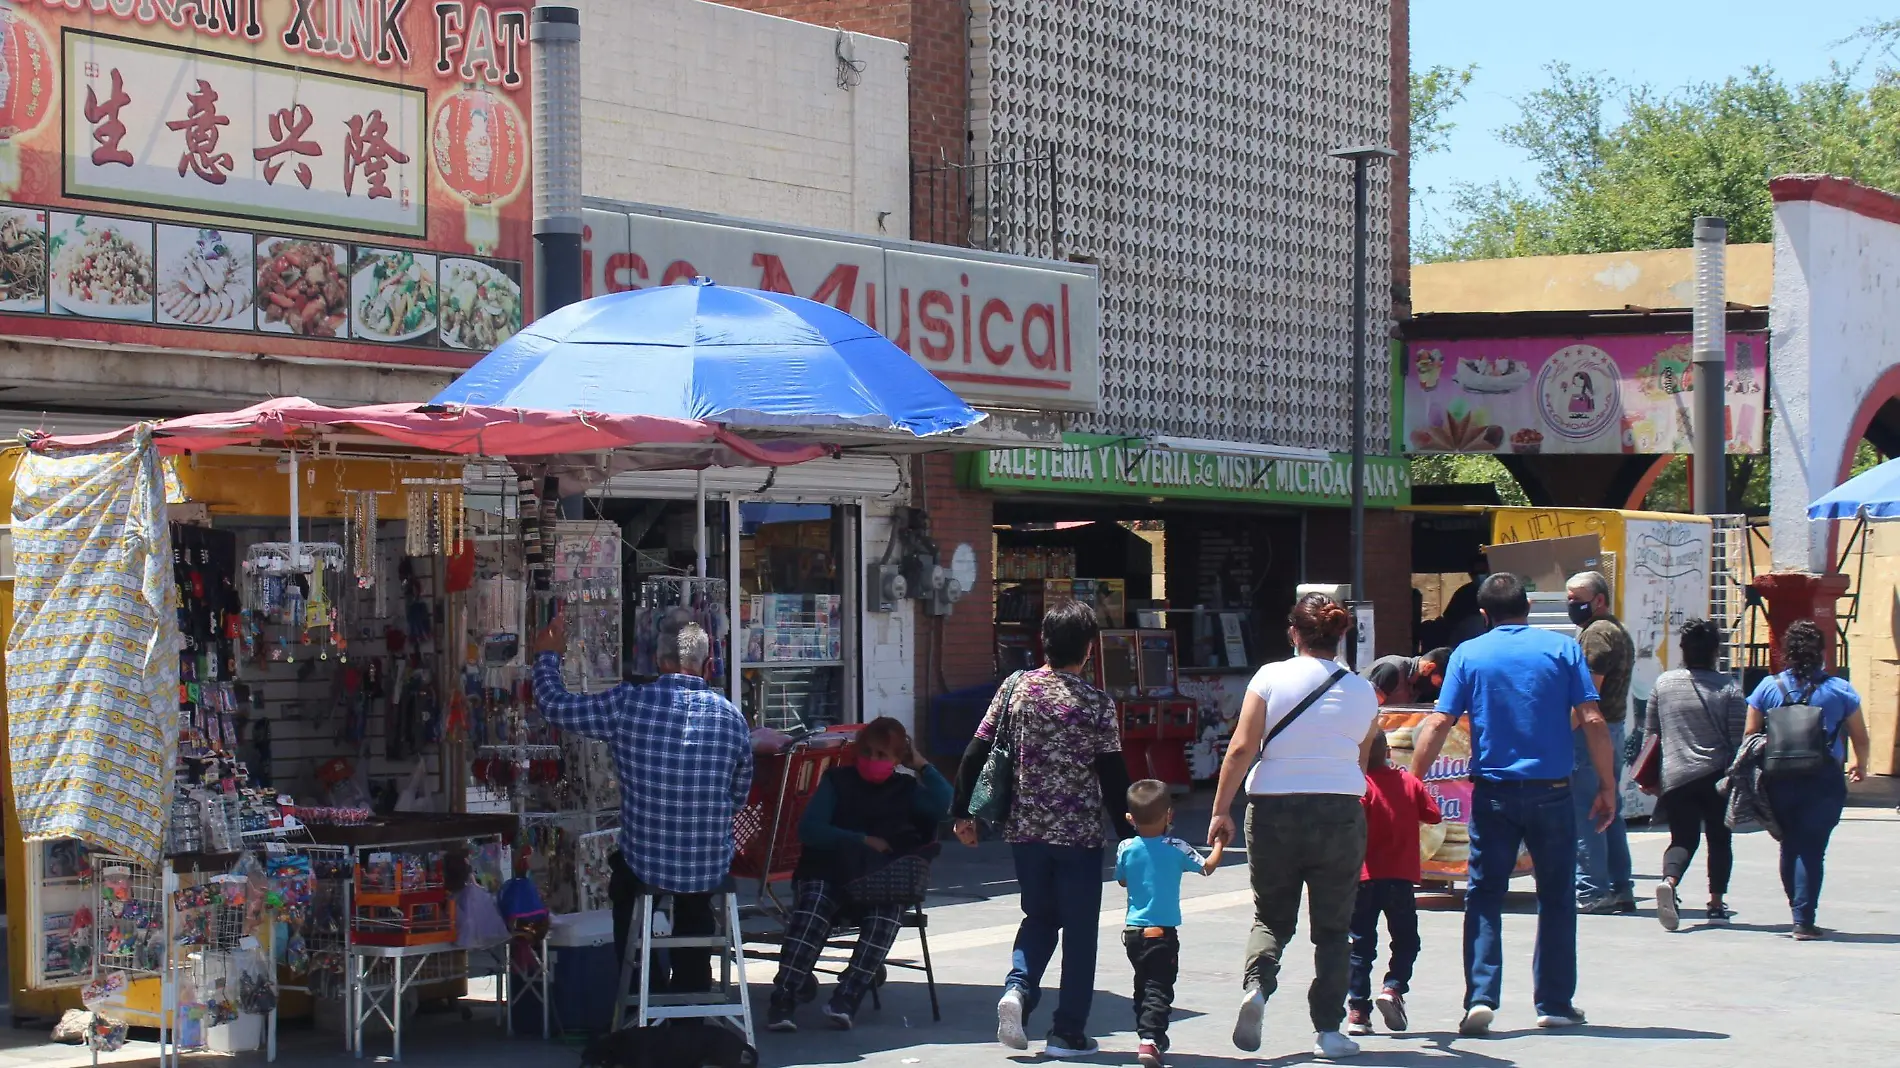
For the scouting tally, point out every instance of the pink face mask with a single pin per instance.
(876, 771)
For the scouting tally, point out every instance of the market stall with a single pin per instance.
(313, 625)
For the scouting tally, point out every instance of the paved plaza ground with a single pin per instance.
(1737, 995)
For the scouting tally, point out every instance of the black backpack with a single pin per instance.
(1799, 742)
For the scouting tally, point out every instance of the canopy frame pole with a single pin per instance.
(296, 539)
(699, 528)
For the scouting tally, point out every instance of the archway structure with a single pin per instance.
(1834, 365)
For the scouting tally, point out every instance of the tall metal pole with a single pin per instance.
(1710, 344)
(1359, 237)
(554, 34)
(1361, 158)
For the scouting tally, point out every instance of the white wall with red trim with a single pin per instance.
(1834, 359)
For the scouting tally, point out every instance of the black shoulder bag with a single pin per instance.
(1306, 703)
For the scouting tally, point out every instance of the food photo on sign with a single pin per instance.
(171, 178)
(1609, 394)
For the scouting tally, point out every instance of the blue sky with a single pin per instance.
(1665, 43)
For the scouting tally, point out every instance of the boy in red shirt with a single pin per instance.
(1396, 803)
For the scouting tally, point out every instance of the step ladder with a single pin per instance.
(727, 1000)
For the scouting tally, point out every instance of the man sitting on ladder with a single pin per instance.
(683, 755)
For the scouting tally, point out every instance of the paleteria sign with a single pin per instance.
(1095, 463)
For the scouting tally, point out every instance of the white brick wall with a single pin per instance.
(696, 105)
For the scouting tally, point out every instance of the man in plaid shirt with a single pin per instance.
(683, 755)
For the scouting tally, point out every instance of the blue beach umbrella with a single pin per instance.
(1874, 494)
(741, 357)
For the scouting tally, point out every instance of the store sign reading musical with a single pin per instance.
(335, 179)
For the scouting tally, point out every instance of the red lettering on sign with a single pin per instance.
(622, 269)
(679, 271)
(107, 130)
(935, 324)
(1043, 359)
(902, 340)
(1065, 328)
(994, 308)
(870, 305)
(772, 276)
(367, 149)
(840, 288)
(965, 279)
(288, 126)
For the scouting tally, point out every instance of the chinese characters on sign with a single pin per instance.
(310, 179)
(189, 130)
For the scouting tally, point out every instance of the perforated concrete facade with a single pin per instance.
(1193, 137)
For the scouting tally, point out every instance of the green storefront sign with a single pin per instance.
(1129, 467)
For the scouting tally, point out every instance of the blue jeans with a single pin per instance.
(1061, 890)
(1808, 807)
(1540, 817)
(1603, 857)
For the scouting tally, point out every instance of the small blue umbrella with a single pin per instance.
(742, 357)
(1874, 493)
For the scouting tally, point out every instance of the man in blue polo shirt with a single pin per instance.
(1521, 686)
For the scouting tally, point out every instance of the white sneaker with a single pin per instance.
(1556, 1021)
(1009, 1020)
(1250, 1020)
(1668, 910)
(1477, 1021)
(1333, 1046)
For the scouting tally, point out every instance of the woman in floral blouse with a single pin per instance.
(1068, 760)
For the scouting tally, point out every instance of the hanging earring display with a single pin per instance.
(436, 522)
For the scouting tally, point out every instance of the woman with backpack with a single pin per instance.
(1697, 716)
(1804, 711)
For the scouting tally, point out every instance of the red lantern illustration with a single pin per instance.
(29, 75)
(481, 145)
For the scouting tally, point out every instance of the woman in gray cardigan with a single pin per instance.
(1699, 715)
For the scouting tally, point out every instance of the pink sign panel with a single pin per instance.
(1628, 394)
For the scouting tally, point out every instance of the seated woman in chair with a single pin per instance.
(863, 817)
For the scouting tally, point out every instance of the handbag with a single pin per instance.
(903, 881)
(996, 784)
(1646, 771)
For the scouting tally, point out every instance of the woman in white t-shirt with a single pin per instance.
(1305, 826)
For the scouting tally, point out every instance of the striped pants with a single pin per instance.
(813, 918)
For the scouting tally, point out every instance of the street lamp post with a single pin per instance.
(1361, 157)
(555, 37)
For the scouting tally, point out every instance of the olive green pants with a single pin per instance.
(1315, 842)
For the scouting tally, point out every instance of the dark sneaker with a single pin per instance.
(780, 1020)
(1063, 1047)
(1625, 904)
(1359, 1020)
(1392, 1007)
(1557, 1021)
(1718, 912)
(1807, 932)
(1602, 906)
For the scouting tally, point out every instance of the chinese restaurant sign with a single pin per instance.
(1095, 463)
(328, 179)
(1630, 394)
